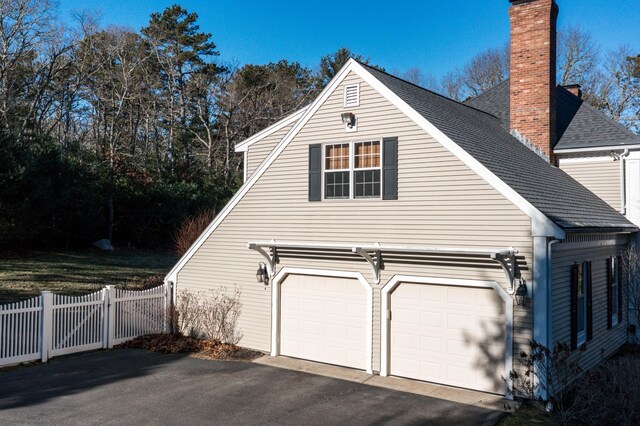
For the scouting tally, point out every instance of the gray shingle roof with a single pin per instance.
(578, 124)
(558, 196)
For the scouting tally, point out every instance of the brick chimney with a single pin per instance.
(533, 73)
(576, 89)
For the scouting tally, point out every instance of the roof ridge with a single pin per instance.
(610, 121)
(427, 90)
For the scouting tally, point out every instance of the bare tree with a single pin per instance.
(452, 85)
(486, 70)
(418, 77)
(617, 88)
(31, 50)
(577, 57)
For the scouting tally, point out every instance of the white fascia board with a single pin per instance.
(306, 115)
(245, 144)
(595, 149)
(540, 224)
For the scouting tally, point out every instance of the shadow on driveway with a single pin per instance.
(137, 387)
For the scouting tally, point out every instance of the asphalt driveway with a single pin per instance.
(135, 387)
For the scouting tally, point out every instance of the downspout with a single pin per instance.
(549, 342)
(623, 191)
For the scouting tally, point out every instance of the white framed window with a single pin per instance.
(615, 288)
(352, 95)
(582, 303)
(352, 170)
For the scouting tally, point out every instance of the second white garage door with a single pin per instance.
(449, 335)
(324, 319)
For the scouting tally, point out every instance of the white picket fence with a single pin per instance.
(52, 324)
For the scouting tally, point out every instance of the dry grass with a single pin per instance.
(77, 273)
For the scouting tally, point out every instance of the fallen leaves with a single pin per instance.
(174, 344)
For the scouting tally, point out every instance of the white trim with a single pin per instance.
(540, 224)
(308, 113)
(275, 306)
(357, 102)
(598, 159)
(596, 149)
(245, 165)
(387, 247)
(385, 326)
(245, 144)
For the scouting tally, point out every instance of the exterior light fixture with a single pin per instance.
(522, 294)
(261, 274)
(349, 119)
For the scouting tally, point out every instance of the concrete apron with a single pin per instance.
(462, 396)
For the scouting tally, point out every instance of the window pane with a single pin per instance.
(367, 155)
(336, 157)
(580, 278)
(614, 287)
(336, 185)
(366, 183)
(581, 312)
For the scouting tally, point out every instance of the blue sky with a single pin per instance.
(436, 36)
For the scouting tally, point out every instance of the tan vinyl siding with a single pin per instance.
(605, 342)
(602, 177)
(441, 202)
(261, 149)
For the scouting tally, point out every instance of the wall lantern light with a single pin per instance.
(262, 275)
(522, 294)
(349, 119)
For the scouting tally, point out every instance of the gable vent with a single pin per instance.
(352, 95)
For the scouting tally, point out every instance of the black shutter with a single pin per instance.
(315, 172)
(609, 293)
(390, 168)
(620, 287)
(574, 306)
(589, 303)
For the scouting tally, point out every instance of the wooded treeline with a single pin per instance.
(122, 134)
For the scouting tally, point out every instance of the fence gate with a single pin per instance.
(78, 323)
(52, 324)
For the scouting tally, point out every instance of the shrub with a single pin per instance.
(211, 314)
(610, 394)
(552, 370)
(191, 229)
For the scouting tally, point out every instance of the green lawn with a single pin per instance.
(77, 273)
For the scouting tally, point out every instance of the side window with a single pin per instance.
(614, 291)
(352, 170)
(581, 304)
(615, 288)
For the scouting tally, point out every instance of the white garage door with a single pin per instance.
(449, 335)
(324, 319)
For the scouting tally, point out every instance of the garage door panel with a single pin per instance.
(333, 320)
(446, 334)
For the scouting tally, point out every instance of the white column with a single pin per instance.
(541, 311)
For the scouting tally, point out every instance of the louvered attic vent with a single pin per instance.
(352, 95)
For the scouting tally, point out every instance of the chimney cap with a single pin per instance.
(572, 86)
(517, 2)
